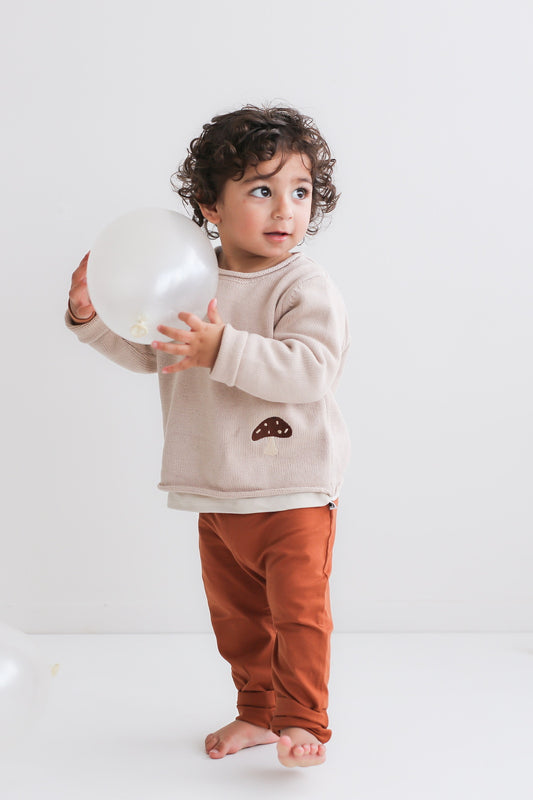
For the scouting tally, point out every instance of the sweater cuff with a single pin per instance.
(77, 320)
(229, 356)
(89, 331)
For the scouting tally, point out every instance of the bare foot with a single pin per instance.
(299, 748)
(236, 736)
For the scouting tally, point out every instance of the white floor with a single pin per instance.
(414, 716)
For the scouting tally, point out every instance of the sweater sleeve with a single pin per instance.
(302, 361)
(135, 357)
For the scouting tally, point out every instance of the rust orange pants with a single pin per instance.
(266, 578)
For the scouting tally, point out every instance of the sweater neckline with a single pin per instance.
(230, 273)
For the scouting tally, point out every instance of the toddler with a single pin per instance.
(254, 440)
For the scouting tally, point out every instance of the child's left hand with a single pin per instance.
(199, 346)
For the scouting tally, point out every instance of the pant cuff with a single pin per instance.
(291, 714)
(257, 708)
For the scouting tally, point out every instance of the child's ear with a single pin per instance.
(210, 213)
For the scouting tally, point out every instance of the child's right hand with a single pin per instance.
(78, 298)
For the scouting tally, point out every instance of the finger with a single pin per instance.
(176, 334)
(79, 275)
(82, 266)
(81, 311)
(79, 284)
(81, 270)
(79, 300)
(171, 347)
(87, 307)
(79, 293)
(194, 322)
(212, 313)
(185, 363)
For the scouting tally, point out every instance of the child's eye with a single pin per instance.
(301, 193)
(261, 191)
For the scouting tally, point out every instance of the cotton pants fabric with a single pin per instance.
(266, 578)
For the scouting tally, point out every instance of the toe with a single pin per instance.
(214, 747)
(285, 744)
(306, 754)
(217, 749)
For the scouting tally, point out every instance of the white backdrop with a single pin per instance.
(427, 108)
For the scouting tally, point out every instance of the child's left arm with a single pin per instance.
(303, 359)
(300, 364)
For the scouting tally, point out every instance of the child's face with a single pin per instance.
(260, 219)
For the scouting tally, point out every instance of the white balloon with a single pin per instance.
(146, 267)
(24, 679)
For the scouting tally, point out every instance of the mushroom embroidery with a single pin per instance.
(271, 429)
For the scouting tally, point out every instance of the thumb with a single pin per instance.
(212, 313)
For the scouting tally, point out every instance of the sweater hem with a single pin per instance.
(174, 489)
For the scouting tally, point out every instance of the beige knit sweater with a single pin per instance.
(263, 422)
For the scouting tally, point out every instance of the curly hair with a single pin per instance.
(232, 142)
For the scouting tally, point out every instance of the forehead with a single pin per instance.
(287, 165)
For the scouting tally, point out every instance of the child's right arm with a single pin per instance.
(89, 328)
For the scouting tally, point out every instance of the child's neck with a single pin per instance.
(249, 262)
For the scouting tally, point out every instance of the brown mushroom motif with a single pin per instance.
(271, 429)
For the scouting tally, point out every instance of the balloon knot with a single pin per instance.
(139, 328)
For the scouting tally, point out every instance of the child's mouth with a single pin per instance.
(277, 236)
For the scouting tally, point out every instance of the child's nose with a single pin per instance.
(282, 208)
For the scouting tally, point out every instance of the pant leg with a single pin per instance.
(298, 566)
(241, 619)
